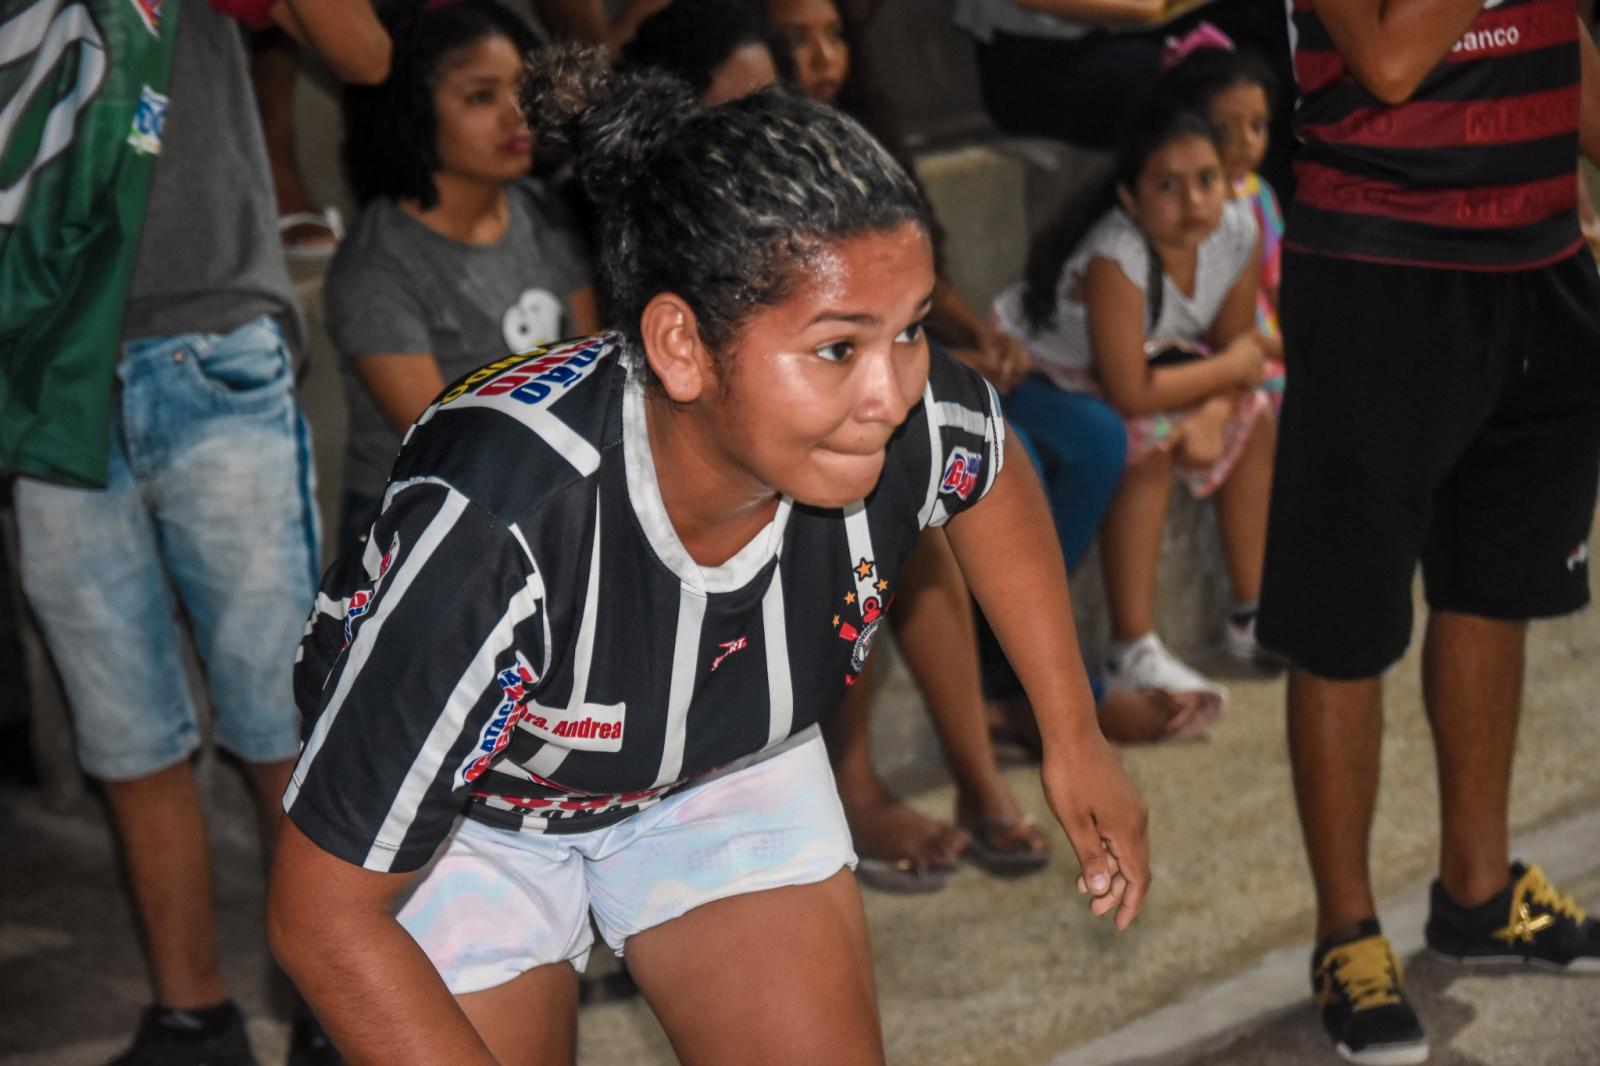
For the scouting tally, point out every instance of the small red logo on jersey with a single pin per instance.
(728, 648)
(961, 472)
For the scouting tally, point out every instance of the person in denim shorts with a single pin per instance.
(207, 510)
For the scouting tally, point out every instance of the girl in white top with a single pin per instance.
(1152, 304)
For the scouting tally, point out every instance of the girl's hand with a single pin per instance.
(1106, 822)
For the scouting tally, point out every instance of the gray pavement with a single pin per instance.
(985, 972)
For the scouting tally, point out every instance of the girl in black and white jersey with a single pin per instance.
(595, 617)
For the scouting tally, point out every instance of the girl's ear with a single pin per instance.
(1129, 204)
(673, 348)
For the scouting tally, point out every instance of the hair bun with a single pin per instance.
(613, 121)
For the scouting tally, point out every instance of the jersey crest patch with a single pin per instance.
(961, 472)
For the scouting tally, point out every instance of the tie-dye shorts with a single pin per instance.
(495, 903)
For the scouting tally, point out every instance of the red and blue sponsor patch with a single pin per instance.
(533, 377)
(961, 472)
(516, 687)
(362, 600)
(149, 12)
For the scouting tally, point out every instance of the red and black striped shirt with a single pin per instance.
(1476, 171)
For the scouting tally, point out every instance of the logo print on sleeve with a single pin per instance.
(530, 378)
(516, 685)
(361, 600)
(961, 472)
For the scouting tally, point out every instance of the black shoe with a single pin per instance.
(1356, 981)
(177, 1038)
(1527, 923)
(309, 1045)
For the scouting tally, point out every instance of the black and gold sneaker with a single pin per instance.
(1527, 923)
(1357, 983)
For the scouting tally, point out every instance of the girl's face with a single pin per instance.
(1240, 114)
(748, 69)
(1180, 194)
(481, 131)
(815, 386)
(815, 36)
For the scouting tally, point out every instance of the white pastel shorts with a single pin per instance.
(495, 903)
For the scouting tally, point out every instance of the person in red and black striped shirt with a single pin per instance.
(1441, 317)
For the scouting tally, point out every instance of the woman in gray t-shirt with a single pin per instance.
(458, 258)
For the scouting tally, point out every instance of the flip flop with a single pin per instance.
(328, 219)
(903, 877)
(996, 859)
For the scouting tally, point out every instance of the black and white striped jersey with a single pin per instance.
(525, 640)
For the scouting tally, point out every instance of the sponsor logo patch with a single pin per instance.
(148, 119)
(149, 12)
(516, 684)
(361, 600)
(531, 378)
(961, 472)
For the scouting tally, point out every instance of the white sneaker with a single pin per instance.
(1146, 663)
(1239, 641)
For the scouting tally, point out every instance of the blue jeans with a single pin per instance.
(1078, 446)
(209, 496)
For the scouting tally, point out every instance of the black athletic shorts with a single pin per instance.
(1447, 417)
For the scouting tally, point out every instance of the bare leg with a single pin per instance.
(881, 825)
(933, 622)
(163, 836)
(1201, 442)
(268, 781)
(777, 977)
(1472, 685)
(1130, 545)
(1242, 510)
(531, 1020)
(1335, 738)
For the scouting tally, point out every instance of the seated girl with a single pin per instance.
(1151, 303)
(458, 257)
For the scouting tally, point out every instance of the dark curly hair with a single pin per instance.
(390, 144)
(718, 205)
(692, 38)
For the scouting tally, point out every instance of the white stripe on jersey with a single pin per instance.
(549, 758)
(439, 527)
(961, 417)
(478, 676)
(780, 689)
(935, 457)
(859, 536)
(685, 660)
(994, 431)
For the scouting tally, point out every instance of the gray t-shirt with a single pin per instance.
(397, 286)
(209, 256)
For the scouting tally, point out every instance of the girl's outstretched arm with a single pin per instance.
(332, 927)
(1117, 336)
(1008, 550)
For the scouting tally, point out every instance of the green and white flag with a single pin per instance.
(82, 101)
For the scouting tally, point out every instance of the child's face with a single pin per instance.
(815, 36)
(1240, 114)
(1180, 194)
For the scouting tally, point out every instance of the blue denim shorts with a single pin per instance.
(209, 506)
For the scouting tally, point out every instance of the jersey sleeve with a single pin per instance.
(955, 441)
(414, 669)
